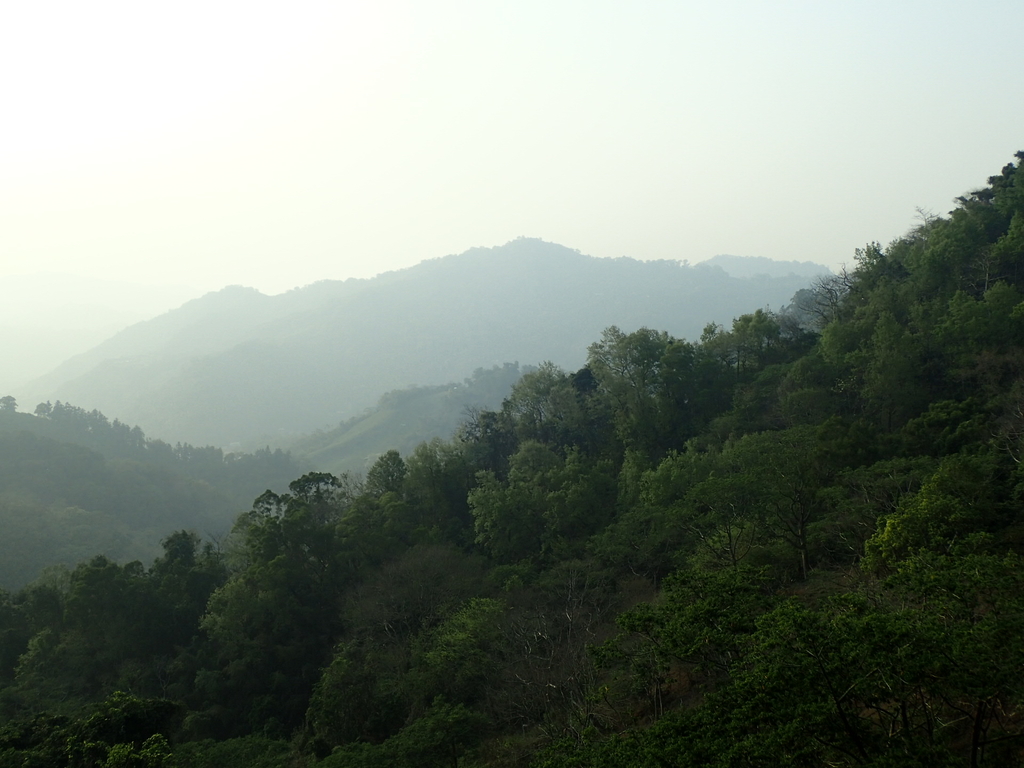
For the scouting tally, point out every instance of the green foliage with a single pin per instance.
(955, 507)
(386, 475)
(919, 679)
(458, 659)
(272, 625)
(243, 752)
(359, 697)
(73, 484)
(84, 634)
(366, 693)
(650, 561)
(627, 368)
(121, 732)
(437, 481)
(703, 616)
(439, 738)
(547, 503)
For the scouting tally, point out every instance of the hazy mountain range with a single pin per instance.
(762, 266)
(45, 318)
(237, 367)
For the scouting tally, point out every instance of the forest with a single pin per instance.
(795, 540)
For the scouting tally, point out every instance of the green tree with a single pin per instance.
(460, 658)
(438, 478)
(627, 368)
(386, 475)
(548, 505)
(963, 500)
(272, 625)
(509, 517)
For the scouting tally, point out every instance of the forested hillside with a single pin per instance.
(239, 369)
(74, 484)
(793, 540)
(403, 419)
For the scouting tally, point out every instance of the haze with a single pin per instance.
(273, 144)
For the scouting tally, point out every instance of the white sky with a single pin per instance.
(273, 144)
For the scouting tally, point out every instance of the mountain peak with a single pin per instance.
(237, 365)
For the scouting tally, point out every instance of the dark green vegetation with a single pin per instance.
(787, 543)
(239, 369)
(74, 484)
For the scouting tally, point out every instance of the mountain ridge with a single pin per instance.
(237, 366)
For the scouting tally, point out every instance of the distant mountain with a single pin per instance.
(755, 266)
(237, 367)
(403, 419)
(47, 317)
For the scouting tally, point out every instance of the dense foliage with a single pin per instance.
(74, 484)
(794, 541)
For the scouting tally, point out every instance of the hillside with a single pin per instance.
(238, 368)
(404, 418)
(46, 318)
(777, 545)
(74, 484)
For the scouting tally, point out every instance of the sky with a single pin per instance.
(273, 144)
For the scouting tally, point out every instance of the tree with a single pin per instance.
(460, 657)
(964, 499)
(437, 480)
(273, 624)
(703, 618)
(823, 301)
(718, 514)
(8, 404)
(509, 517)
(386, 475)
(112, 633)
(627, 368)
(789, 472)
(547, 507)
(123, 731)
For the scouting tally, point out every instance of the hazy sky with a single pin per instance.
(273, 144)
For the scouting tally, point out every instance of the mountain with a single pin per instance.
(74, 484)
(404, 418)
(237, 367)
(756, 266)
(778, 545)
(46, 318)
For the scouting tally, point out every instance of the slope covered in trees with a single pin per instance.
(793, 541)
(74, 484)
(404, 418)
(222, 370)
